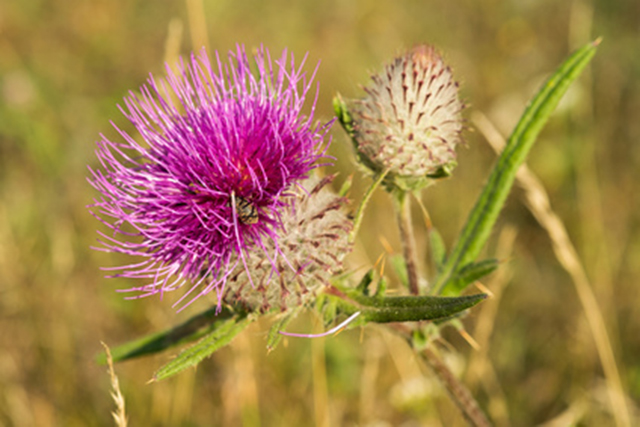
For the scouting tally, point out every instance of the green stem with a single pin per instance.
(403, 211)
(357, 221)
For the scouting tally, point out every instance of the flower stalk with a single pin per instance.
(460, 394)
(403, 214)
(357, 221)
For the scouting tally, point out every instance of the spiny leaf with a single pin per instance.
(193, 355)
(274, 338)
(408, 308)
(189, 331)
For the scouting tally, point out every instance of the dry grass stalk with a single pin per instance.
(119, 415)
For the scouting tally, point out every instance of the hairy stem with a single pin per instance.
(460, 395)
(403, 211)
(357, 221)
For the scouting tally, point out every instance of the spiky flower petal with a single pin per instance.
(222, 150)
(410, 121)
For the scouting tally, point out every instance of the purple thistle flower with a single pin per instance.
(222, 149)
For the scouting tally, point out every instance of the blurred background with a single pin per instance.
(64, 67)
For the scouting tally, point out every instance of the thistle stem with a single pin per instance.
(357, 221)
(458, 392)
(403, 211)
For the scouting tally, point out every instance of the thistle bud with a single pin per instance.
(410, 121)
(311, 246)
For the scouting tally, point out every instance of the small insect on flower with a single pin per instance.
(245, 210)
(313, 243)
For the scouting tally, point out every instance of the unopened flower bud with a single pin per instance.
(410, 121)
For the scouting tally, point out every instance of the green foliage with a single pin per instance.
(222, 335)
(472, 272)
(417, 308)
(274, 337)
(191, 330)
(438, 249)
(383, 309)
(485, 212)
(400, 268)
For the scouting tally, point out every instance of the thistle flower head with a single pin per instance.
(221, 153)
(410, 120)
(313, 242)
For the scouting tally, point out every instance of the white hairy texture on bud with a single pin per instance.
(410, 121)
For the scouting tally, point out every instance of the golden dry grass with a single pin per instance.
(65, 65)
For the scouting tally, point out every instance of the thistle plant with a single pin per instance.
(312, 242)
(223, 154)
(221, 195)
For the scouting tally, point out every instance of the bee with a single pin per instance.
(246, 211)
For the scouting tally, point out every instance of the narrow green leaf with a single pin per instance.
(357, 220)
(382, 288)
(193, 355)
(472, 272)
(438, 249)
(346, 186)
(274, 337)
(484, 214)
(417, 308)
(400, 268)
(405, 308)
(189, 331)
(365, 282)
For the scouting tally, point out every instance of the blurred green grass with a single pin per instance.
(65, 66)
